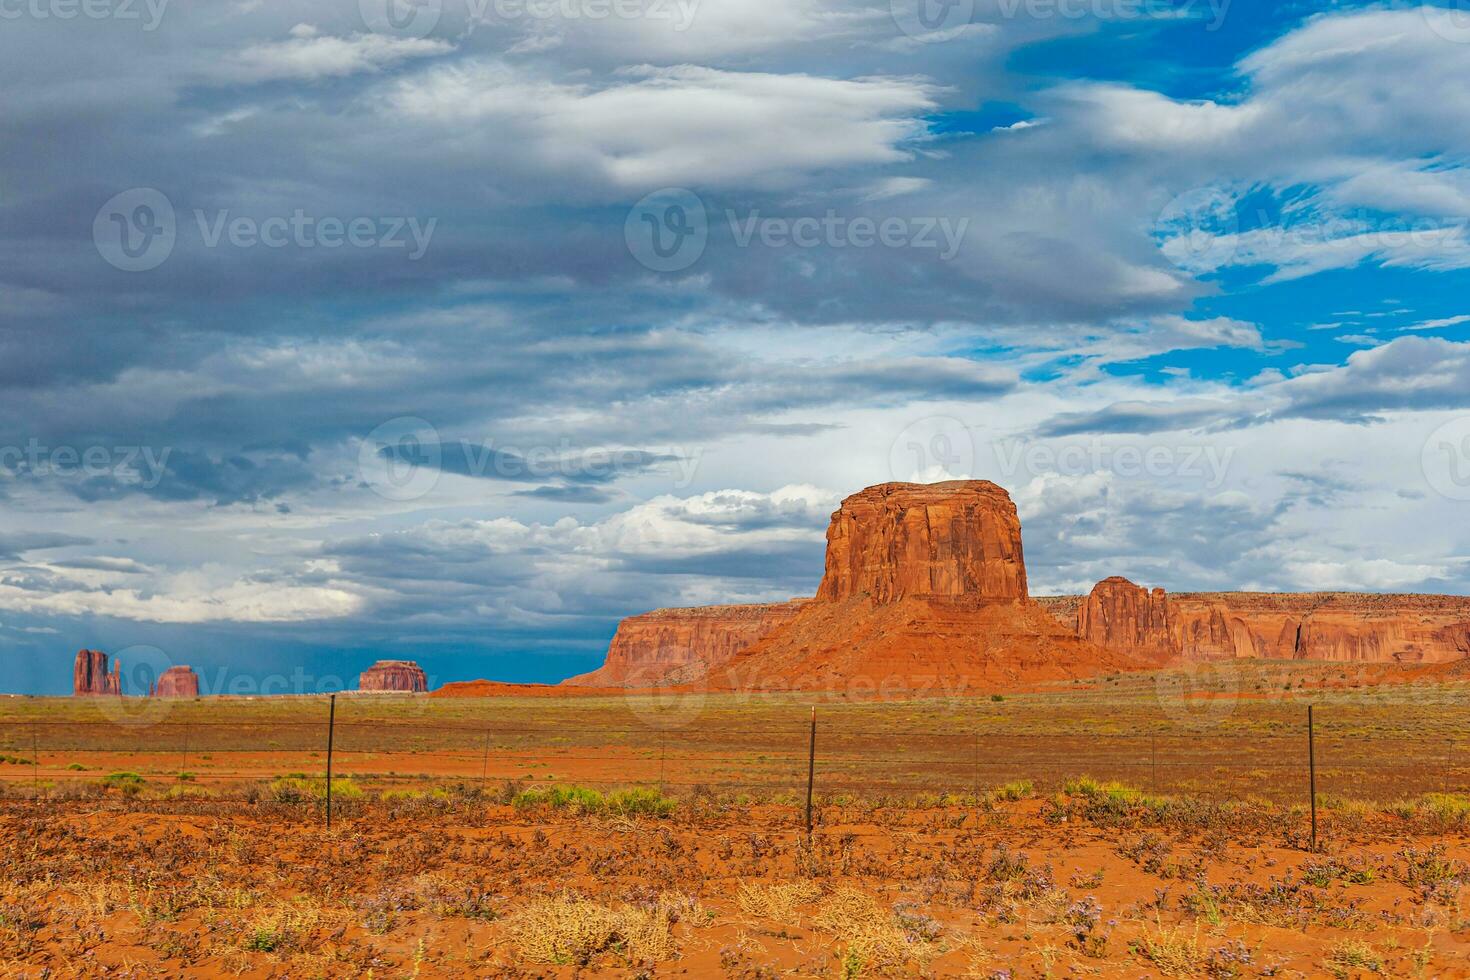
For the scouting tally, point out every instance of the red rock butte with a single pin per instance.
(925, 586)
(90, 676)
(178, 681)
(394, 675)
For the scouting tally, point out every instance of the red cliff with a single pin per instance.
(89, 675)
(960, 538)
(1332, 626)
(393, 675)
(178, 681)
(671, 646)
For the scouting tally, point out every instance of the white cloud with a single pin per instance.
(310, 56)
(684, 124)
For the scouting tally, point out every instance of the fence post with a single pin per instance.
(662, 748)
(35, 763)
(811, 770)
(485, 765)
(331, 733)
(1312, 771)
(1153, 758)
(183, 766)
(975, 780)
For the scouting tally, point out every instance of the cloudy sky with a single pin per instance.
(458, 329)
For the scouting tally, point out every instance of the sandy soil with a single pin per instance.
(1077, 886)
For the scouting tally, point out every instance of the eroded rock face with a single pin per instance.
(393, 675)
(959, 538)
(1119, 615)
(681, 645)
(1333, 626)
(90, 675)
(178, 681)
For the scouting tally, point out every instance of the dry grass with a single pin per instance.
(568, 930)
(870, 934)
(1175, 951)
(779, 902)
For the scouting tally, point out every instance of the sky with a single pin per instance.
(456, 330)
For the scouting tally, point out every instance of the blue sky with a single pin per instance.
(458, 335)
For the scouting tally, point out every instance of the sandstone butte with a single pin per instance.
(925, 586)
(393, 675)
(89, 675)
(178, 681)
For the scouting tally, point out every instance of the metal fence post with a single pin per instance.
(1312, 771)
(184, 766)
(662, 749)
(485, 764)
(811, 770)
(975, 779)
(1153, 758)
(331, 733)
(35, 763)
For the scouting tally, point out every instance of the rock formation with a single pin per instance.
(1119, 615)
(393, 675)
(676, 645)
(924, 587)
(89, 675)
(960, 538)
(178, 681)
(1332, 626)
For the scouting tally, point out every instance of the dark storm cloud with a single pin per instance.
(15, 544)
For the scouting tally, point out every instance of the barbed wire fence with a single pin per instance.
(826, 761)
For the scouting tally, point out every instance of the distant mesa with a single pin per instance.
(394, 675)
(1341, 627)
(178, 681)
(925, 586)
(90, 676)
